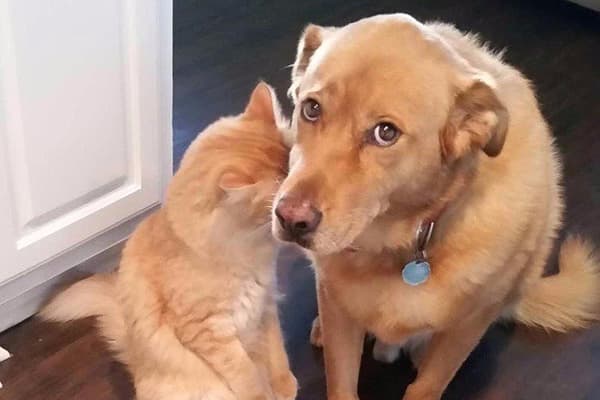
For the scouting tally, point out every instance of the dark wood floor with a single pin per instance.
(221, 49)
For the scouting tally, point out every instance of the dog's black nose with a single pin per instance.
(297, 217)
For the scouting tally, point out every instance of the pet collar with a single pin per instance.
(417, 271)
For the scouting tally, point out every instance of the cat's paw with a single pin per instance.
(267, 395)
(285, 386)
(316, 337)
(257, 392)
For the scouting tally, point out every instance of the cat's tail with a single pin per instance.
(95, 296)
(569, 300)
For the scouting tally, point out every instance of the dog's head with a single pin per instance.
(384, 113)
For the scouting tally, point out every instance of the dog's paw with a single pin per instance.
(385, 353)
(316, 337)
(285, 386)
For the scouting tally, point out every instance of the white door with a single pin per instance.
(85, 131)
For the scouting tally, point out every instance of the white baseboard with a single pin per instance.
(23, 296)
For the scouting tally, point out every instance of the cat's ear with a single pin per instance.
(236, 185)
(231, 181)
(263, 104)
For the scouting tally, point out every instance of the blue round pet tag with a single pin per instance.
(416, 272)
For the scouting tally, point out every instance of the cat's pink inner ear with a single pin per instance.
(234, 180)
(261, 103)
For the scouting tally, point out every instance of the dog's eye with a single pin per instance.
(311, 110)
(384, 134)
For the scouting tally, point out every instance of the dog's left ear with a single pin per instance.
(477, 121)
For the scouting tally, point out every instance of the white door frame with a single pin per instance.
(148, 31)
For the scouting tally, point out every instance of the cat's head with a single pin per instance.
(229, 175)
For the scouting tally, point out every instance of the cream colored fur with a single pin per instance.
(191, 310)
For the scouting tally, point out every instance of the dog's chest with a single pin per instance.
(388, 307)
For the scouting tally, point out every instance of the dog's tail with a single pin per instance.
(95, 296)
(569, 300)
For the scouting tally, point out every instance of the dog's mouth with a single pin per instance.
(314, 243)
(318, 236)
(304, 241)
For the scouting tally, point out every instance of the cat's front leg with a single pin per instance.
(282, 379)
(214, 339)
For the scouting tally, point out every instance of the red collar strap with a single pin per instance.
(423, 236)
(425, 232)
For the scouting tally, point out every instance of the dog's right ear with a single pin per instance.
(310, 40)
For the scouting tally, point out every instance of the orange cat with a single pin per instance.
(191, 310)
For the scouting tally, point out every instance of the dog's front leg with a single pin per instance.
(343, 341)
(445, 354)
